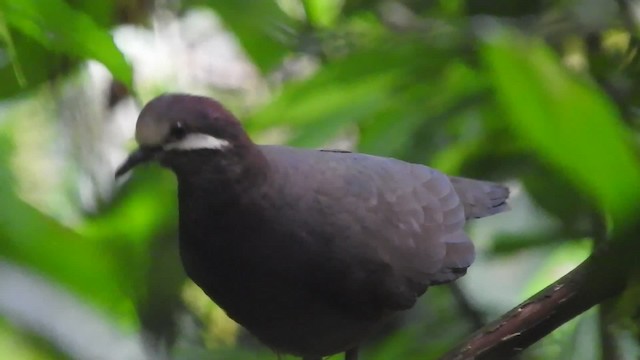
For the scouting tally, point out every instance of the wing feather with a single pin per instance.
(403, 218)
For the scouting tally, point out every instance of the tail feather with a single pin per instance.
(480, 198)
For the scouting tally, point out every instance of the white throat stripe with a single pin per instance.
(198, 141)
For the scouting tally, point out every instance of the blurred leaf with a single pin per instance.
(566, 121)
(30, 238)
(564, 258)
(58, 27)
(381, 96)
(584, 342)
(182, 352)
(444, 113)
(555, 194)
(100, 11)
(490, 156)
(6, 37)
(161, 303)
(398, 345)
(500, 8)
(351, 7)
(145, 207)
(31, 60)
(389, 131)
(322, 12)
(15, 344)
(508, 244)
(136, 224)
(341, 93)
(482, 146)
(628, 305)
(258, 25)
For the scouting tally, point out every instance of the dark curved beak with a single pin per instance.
(140, 156)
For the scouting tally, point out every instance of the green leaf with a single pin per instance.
(256, 24)
(342, 93)
(322, 12)
(15, 343)
(60, 28)
(357, 90)
(35, 240)
(30, 65)
(6, 37)
(390, 130)
(565, 120)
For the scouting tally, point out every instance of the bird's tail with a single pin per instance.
(480, 198)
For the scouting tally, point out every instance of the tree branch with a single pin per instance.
(602, 276)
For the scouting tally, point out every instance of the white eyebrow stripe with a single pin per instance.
(198, 141)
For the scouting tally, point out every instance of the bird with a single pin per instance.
(309, 250)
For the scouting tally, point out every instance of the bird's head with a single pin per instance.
(176, 128)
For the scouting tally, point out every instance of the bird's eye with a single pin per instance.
(177, 131)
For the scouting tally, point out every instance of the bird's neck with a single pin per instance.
(220, 202)
(223, 178)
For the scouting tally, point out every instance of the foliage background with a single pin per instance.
(542, 95)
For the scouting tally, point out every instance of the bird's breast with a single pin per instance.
(258, 274)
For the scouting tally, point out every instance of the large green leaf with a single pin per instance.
(566, 120)
(257, 25)
(58, 27)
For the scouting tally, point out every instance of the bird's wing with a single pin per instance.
(397, 226)
(418, 217)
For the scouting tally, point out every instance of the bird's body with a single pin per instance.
(312, 250)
